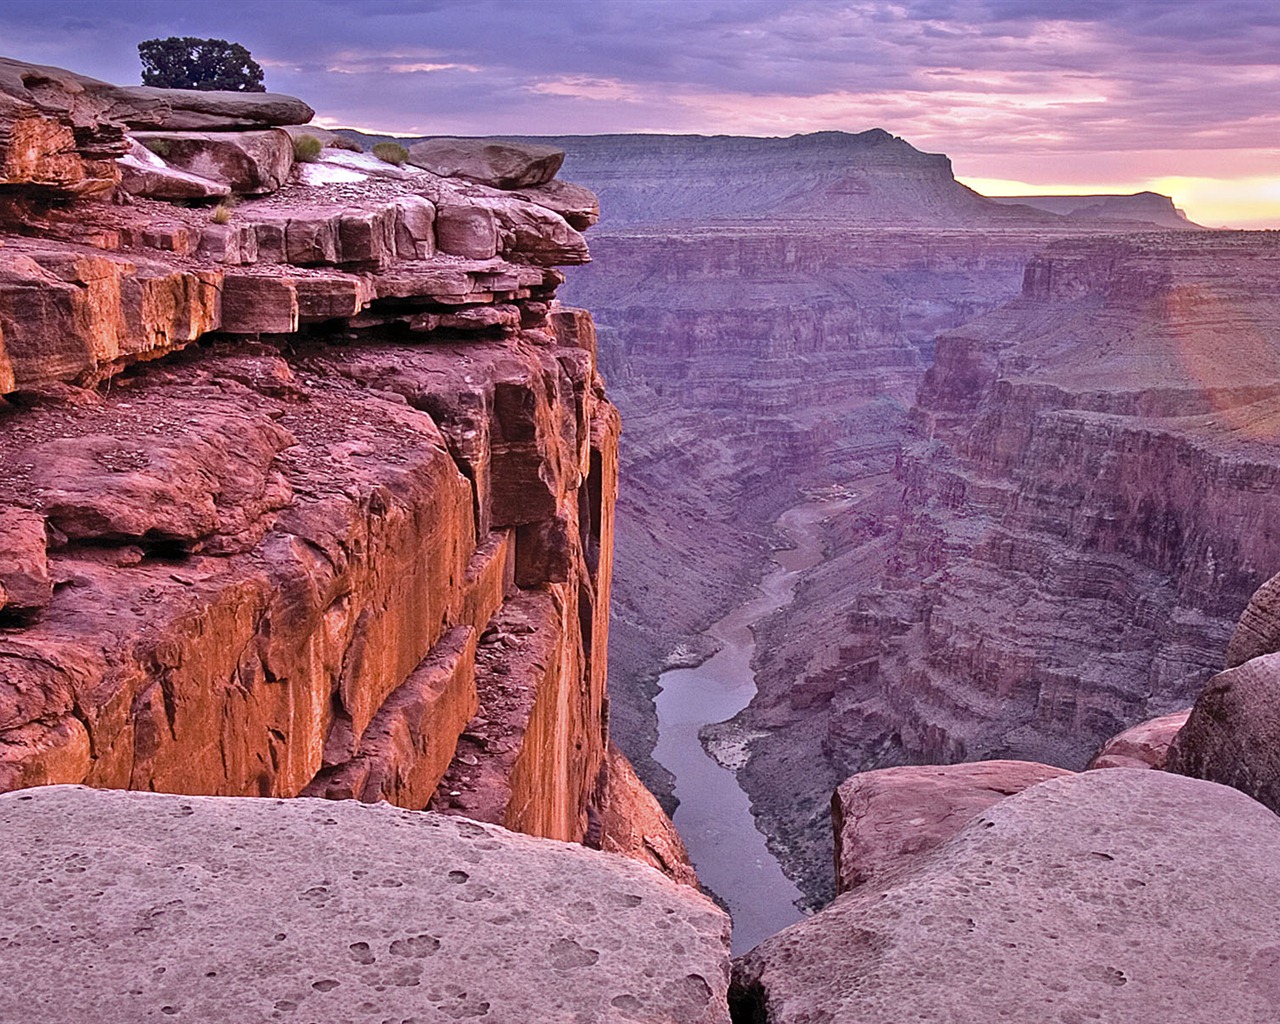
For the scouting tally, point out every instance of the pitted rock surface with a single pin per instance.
(133, 906)
(1110, 897)
(882, 820)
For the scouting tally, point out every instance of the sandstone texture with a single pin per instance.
(248, 162)
(1258, 631)
(884, 820)
(1233, 733)
(1053, 904)
(235, 909)
(369, 513)
(1146, 745)
(502, 164)
(142, 173)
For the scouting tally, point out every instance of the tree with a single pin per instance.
(185, 62)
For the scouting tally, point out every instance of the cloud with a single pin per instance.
(1008, 88)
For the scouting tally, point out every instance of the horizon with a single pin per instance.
(1025, 98)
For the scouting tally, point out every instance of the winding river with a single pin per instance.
(714, 816)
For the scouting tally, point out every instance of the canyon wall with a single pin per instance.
(1084, 504)
(309, 495)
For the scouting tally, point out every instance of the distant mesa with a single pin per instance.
(1141, 206)
(871, 178)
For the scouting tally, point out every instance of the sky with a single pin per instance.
(1025, 96)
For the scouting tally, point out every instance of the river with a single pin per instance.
(714, 816)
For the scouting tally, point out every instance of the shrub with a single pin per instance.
(391, 153)
(221, 213)
(306, 149)
(160, 147)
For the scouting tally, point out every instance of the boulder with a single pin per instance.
(505, 165)
(1232, 735)
(142, 173)
(251, 163)
(25, 586)
(184, 110)
(1110, 897)
(883, 820)
(228, 910)
(1146, 745)
(1258, 631)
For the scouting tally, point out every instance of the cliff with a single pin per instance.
(311, 492)
(1081, 510)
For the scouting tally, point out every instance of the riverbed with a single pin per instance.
(714, 816)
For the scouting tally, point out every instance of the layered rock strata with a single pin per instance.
(233, 910)
(299, 493)
(1050, 905)
(1083, 507)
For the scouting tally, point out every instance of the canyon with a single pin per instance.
(835, 315)
(335, 593)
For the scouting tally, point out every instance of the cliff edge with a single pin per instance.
(309, 478)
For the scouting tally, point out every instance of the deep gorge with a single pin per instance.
(335, 592)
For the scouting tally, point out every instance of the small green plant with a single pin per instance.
(391, 153)
(160, 147)
(306, 149)
(221, 213)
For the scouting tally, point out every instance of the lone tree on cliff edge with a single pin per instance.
(189, 63)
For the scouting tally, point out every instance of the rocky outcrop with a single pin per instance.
(369, 514)
(1050, 905)
(884, 820)
(335, 912)
(1145, 745)
(60, 132)
(505, 165)
(1258, 631)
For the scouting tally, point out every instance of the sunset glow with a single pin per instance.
(1072, 96)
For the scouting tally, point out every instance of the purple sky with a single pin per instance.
(1180, 95)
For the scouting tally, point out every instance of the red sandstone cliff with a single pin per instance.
(312, 496)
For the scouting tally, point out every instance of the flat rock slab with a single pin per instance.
(131, 906)
(249, 163)
(883, 819)
(1109, 897)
